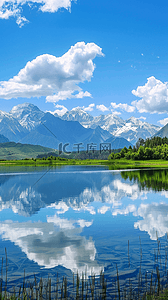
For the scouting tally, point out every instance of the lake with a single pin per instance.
(64, 220)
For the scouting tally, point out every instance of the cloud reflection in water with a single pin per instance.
(57, 242)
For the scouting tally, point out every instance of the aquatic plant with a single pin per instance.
(151, 286)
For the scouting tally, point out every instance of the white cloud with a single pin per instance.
(126, 189)
(125, 211)
(20, 200)
(54, 243)
(59, 112)
(154, 96)
(57, 78)
(89, 108)
(102, 210)
(163, 122)
(123, 106)
(115, 112)
(155, 219)
(102, 107)
(61, 206)
(13, 8)
(82, 223)
(142, 118)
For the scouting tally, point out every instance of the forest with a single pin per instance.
(151, 148)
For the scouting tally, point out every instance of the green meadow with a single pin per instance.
(115, 164)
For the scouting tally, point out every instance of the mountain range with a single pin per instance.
(131, 129)
(27, 124)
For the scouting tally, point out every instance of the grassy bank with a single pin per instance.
(115, 164)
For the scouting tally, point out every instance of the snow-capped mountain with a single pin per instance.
(27, 114)
(131, 129)
(25, 124)
(10, 127)
(109, 122)
(78, 114)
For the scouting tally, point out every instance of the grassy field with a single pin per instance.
(117, 164)
(18, 151)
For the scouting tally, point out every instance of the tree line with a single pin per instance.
(153, 148)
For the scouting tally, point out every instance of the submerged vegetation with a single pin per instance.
(146, 285)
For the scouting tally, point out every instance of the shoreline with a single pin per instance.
(117, 164)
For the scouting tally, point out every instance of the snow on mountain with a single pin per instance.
(3, 114)
(108, 122)
(78, 114)
(10, 127)
(131, 129)
(134, 129)
(27, 114)
(25, 118)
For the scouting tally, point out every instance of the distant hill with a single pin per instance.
(12, 150)
(3, 139)
(118, 142)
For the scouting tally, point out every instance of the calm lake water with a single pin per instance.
(64, 219)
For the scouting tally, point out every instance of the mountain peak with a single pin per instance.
(77, 114)
(21, 108)
(27, 114)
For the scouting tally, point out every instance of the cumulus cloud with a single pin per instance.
(13, 8)
(56, 78)
(123, 106)
(54, 243)
(102, 107)
(61, 207)
(89, 108)
(60, 111)
(22, 200)
(125, 211)
(155, 219)
(154, 96)
(163, 122)
(102, 210)
(142, 118)
(68, 224)
(115, 112)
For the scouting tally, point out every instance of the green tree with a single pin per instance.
(141, 153)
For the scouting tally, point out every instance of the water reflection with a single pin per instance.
(156, 180)
(64, 190)
(57, 242)
(155, 219)
(77, 214)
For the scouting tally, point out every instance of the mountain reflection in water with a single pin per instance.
(83, 217)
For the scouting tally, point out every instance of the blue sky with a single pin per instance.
(104, 56)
